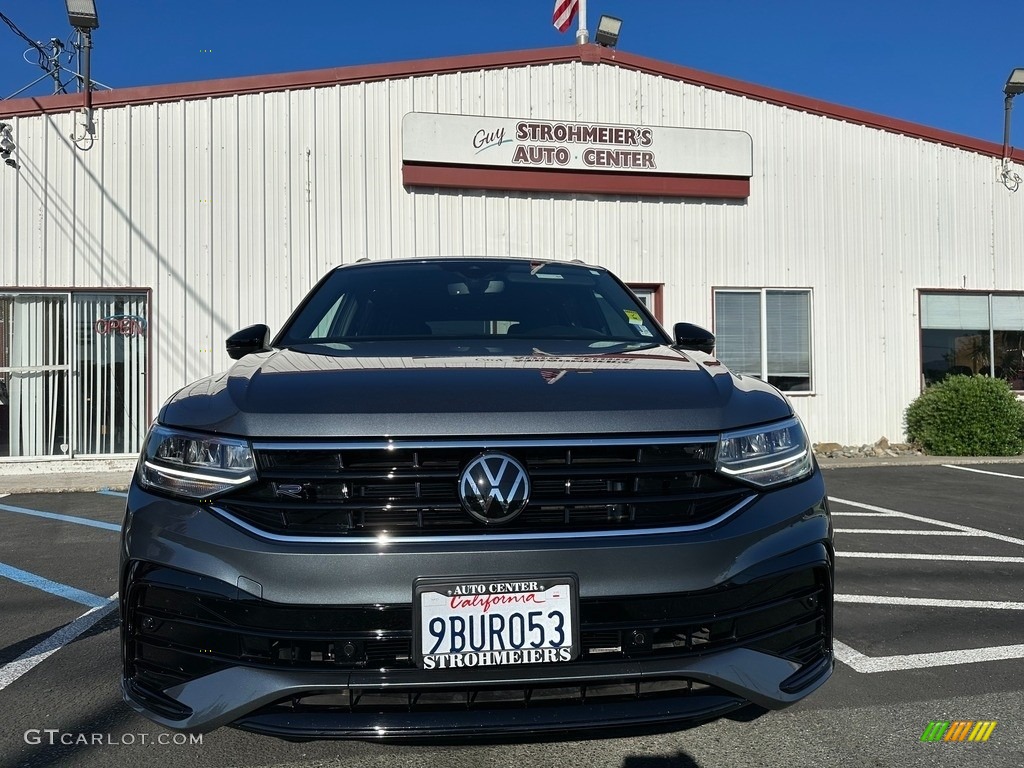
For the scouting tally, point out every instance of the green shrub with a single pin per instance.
(967, 416)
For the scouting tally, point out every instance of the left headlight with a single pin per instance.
(768, 455)
(195, 465)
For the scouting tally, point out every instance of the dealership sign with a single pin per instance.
(529, 144)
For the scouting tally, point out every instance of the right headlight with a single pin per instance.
(767, 455)
(195, 465)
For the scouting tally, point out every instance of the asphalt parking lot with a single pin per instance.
(929, 624)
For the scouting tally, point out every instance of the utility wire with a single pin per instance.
(48, 56)
(44, 57)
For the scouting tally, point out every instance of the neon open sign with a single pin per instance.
(125, 325)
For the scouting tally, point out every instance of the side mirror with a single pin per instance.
(690, 336)
(255, 338)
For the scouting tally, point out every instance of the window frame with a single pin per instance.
(762, 294)
(656, 292)
(71, 365)
(989, 295)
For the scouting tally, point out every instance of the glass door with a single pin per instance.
(110, 372)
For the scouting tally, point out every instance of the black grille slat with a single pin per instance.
(590, 501)
(740, 614)
(346, 475)
(311, 491)
(625, 470)
(380, 701)
(354, 507)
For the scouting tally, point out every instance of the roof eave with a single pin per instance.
(591, 54)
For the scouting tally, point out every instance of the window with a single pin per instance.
(34, 374)
(72, 373)
(470, 300)
(766, 333)
(972, 333)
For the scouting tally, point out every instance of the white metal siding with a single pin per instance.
(230, 208)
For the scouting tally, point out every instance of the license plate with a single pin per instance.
(495, 622)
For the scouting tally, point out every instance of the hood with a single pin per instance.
(393, 389)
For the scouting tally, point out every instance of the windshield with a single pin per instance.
(460, 299)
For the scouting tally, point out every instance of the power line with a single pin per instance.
(47, 58)
(44, 57)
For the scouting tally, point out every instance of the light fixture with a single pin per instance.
(1015, 82)
(607, 31)
(7, 146)
(6, 140)
(82, 14)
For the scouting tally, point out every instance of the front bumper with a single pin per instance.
(303, 641)
(369, 705)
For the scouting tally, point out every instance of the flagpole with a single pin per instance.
(582, 36)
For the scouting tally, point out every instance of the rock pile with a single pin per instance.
(881, 449)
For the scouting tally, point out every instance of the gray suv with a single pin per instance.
(473, 498)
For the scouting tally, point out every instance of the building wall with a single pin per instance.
(230, 208)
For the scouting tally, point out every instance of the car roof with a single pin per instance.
(364, 262)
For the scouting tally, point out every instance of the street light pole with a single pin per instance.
(1014, 86)
(90, 128)
(82, 15)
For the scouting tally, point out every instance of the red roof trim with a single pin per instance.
(588, 53)
(288, 81)
(806, 103)
(574, 182)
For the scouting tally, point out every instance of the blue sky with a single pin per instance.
(941, 63)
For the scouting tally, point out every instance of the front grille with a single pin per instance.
(180, 627)
(356, 700)
(500, 713)
(413, 491)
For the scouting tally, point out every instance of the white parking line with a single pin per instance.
(899, 532)
(860, 505)
(909, 556)
(63, 518)
(867, 664)
(982, 471)
(929, 602)
(918, 518)
(40, 652)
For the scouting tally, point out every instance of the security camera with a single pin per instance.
(11, 163)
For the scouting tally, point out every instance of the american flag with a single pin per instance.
(552, 376)
(565, 12)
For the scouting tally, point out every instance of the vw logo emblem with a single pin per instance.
(494, 487)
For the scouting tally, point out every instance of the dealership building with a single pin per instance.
(847, 257)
